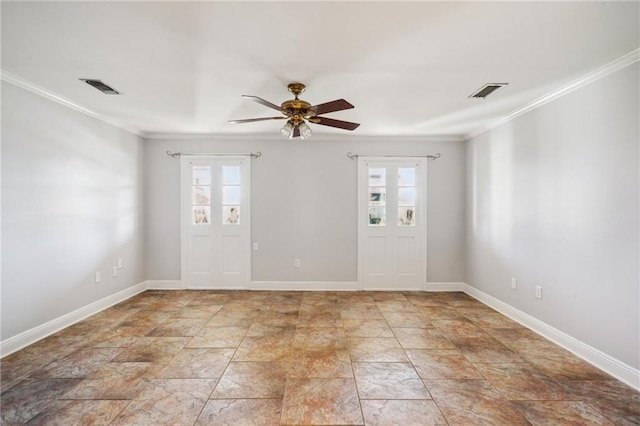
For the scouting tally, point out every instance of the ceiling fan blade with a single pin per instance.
(347, 125)
(249, 120)
(262, 101)
(337, 105)
(296, 132)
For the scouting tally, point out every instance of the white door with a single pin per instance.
(392, 226)
(216, 235)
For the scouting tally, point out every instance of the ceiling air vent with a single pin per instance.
(487, 89)
(107, 90)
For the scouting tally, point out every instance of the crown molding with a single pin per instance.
(52, 96)
(275, 137)
(613, 66)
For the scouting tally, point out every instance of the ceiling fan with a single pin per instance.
(298, 112)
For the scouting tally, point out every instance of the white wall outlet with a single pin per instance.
(114, 271)
(255, 246)
(119, 263)
(296, 263)
(538, 292)
(514, 283)
(98, 277)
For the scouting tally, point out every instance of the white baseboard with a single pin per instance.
(163, 284)
(305, 285)
(445, 286)
(616, 368)
(31, 336)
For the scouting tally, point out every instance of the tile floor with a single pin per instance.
(305, 358)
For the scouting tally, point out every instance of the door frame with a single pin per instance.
(364, 203)
(185, 212)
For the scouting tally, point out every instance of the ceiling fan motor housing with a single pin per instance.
(297, 109)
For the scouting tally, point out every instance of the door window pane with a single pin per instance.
(201, 195)
(230, 195)
(406, 196)
(406, 216)
(377, 177)
(377, 196)
(201, 176)
(231, 175)
(231, 215)
(406, 176)
(201, 215)
(377, 216)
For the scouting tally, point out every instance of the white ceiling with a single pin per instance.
(407, 67)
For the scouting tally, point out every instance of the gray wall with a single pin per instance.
(553, 200)
(71, 205)
(303, 205)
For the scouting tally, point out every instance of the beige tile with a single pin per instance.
(218, 337)
(321, 402)
(198, 363)
(167, 401)
(10, 372)
(439, 313)
(459, 329)
(265, 348)
(421, 299)
(178, 327)
(326, 363)
(205, 311)
(241, 412)
(361, 312)
(616, 401)
(86, 413)
(467, 402)
(486, 350)
(118, 337)
(560, 413)
(522, 382)
(115, 380)
(367, 328)
(376, 349)
(265, 327)
(395, 412)
(422, 338)
(252, 380)
(486, 318)
(152, 349)
(381, 296)
(396, 306)
(28, 397)
(442, 364)
(389, 380)
(324, 337)
(406, 319)
(321, 319)
(78, 364)
(560, 364)
(220, 320)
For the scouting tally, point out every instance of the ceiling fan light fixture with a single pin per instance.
(300, 113)
(305, 130)
(287, 130)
